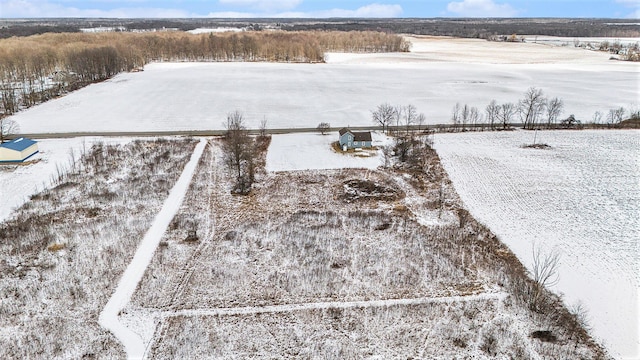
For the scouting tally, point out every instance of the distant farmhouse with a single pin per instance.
(352, 140)
(17, 150)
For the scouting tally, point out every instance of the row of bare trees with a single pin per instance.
(37, 68)
(400, 116)
(534, 111)
(537, 111)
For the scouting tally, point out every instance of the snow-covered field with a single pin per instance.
(580, 198)
(436, 75)
(570, 41)
(313, 151)
(18, 182)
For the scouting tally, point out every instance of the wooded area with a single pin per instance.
(37, 68)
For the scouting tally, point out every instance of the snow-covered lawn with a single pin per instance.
(580, 198)
(313, 151)
(19, 182)
(436, 75)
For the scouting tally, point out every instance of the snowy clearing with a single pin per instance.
(19, 182)
(132, 342)
(309, 151)
(437, 74)
(580, 198)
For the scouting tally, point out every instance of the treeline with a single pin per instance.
(37, 68)
(460, 27)
(480, 28)
(535, 111)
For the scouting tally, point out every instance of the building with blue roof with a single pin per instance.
(18, 150)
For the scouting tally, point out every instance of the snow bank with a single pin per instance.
(579, 198)
(312, 151)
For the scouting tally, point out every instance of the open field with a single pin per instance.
(579, 198)
(433, 77)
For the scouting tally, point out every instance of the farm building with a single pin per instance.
(17, 150)
(351, 139)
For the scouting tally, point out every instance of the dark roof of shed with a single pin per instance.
(357, 136)
(362, 136)
(18, 144)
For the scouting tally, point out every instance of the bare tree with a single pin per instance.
(397, 114)
(421, 119)
(263, 127)
(493, 113)
(615, 116)
(474, 116)
(464, 116)
(455, 115)
(239, 153)
(507, 112)
(597, 117)
(554, 109)
(7, 127)
(323, 127)
(409, 116)
(531, 107)
(384, 115)
(544, 271)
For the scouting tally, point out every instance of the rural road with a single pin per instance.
(221, 132)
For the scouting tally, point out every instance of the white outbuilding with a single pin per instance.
(18, 150)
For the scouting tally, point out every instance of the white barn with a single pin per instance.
(18, 150)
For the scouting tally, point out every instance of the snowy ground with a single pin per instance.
(570, 41)
(18, 182)
(580, 198)
(133, 344)
(299, 268)
(438, 73)
(313, 151)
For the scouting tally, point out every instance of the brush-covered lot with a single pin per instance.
(344, 263)
(63, 252)
(336, 264)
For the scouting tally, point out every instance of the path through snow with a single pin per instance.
(332, 305)
(133, 343)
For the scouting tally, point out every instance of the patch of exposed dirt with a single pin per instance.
(357, 190)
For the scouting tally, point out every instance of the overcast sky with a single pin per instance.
(319, 8)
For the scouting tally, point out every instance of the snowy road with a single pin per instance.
(133, 343)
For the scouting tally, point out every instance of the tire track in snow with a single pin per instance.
(249, 310)
(133, 343)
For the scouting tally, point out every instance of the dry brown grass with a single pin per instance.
(295, 240)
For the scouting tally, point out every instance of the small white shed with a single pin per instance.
(18, 150)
